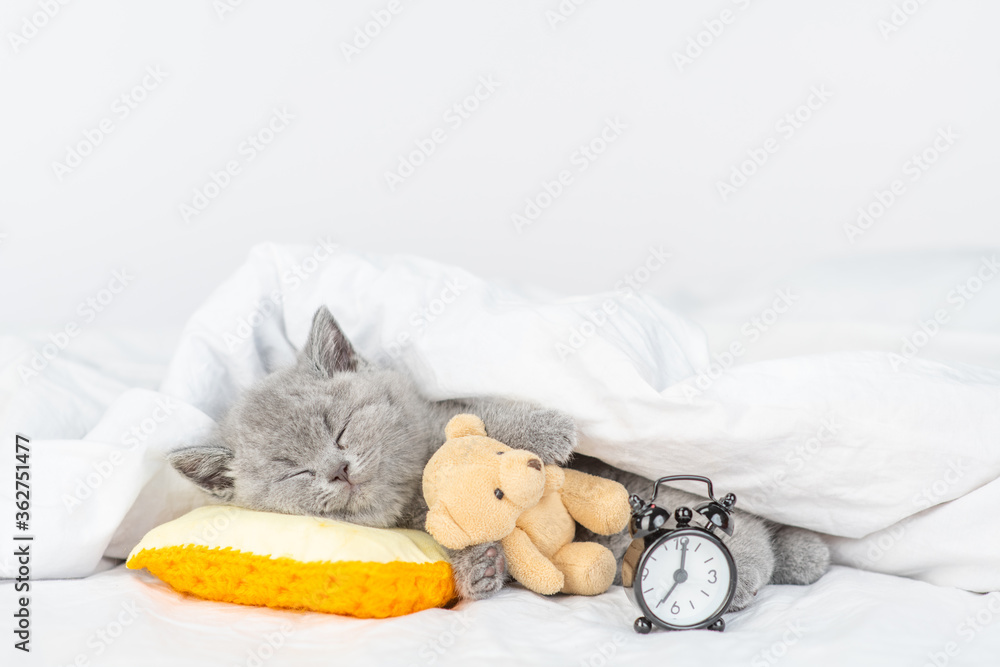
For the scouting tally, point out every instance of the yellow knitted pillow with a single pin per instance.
(296, 562)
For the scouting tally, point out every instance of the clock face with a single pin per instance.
(685, 579)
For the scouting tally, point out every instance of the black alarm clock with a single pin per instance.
(680, 578)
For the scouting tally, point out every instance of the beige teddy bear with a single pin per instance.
(480, 490)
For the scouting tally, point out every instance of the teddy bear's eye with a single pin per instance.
(499, 453)
(498, 493)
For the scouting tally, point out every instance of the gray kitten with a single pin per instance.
(338, 437)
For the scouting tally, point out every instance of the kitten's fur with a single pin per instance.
(337, 437)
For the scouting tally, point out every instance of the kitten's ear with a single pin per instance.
(327, 348)
(207, 466)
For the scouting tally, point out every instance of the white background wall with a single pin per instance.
(656, 185)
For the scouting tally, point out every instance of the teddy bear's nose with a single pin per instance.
(535, 463)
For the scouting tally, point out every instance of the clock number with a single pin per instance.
(714, 578)
(645, 573)
(674, 609)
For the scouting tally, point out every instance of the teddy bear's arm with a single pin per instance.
(601, 505)
(554, 478)
(529, 566)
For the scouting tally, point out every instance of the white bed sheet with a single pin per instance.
(849, 617)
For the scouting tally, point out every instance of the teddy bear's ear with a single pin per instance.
(444, 529)
(463, 425)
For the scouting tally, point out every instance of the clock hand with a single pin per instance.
(664, 599)
(680, 574)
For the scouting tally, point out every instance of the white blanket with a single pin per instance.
(852, 444)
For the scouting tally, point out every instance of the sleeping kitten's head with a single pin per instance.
(331, 436)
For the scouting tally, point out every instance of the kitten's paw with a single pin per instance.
(754, 558)
(480, 570)
(800, 556)
(749, 580)
(553, 435)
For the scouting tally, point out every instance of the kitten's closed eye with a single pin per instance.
(297, 470)
(332, 429)
(296, 474)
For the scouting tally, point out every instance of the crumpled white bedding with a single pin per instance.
(896, 459)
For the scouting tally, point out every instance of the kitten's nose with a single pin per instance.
(340, 474)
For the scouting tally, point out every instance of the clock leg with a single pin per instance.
(642, 625)
(718, 626)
